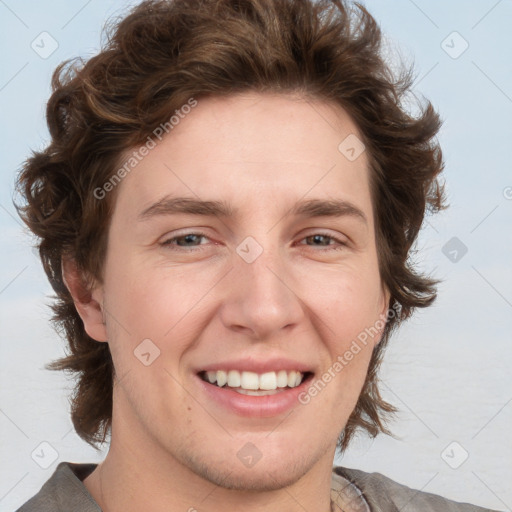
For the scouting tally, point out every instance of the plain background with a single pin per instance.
(448, 369)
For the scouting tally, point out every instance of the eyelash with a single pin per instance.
(169, 243)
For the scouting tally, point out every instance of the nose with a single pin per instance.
(259, 296)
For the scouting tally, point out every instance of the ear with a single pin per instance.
(88, 303)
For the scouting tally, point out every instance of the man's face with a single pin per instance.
(263, 290)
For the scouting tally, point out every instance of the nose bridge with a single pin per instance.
(262, 298)
(262, 264)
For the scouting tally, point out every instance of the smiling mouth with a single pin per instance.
(256, 384)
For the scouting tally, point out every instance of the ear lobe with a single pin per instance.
(88, 303)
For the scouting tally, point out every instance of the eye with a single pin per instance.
(324, 239)
(190, 240)
(185, 240)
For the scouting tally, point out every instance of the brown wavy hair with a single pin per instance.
(152, 62)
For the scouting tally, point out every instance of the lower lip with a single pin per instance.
(252, 406)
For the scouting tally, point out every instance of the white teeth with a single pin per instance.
(233, 379)
(292, 377)
(259, 392)
(282, 379)
(222, 378)
(251, 381)
(268, 380)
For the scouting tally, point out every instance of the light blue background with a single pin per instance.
(448, 369)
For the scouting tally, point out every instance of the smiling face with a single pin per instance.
(277, 273)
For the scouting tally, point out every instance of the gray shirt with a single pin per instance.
(364, 492)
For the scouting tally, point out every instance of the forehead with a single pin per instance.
(257, 150)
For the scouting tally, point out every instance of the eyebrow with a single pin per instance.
(307, 208)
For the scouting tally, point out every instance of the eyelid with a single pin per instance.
(338, 239)
(325, 232)
(319, 232)
(167, 240)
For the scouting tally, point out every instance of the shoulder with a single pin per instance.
(386, 495)
(64, 490)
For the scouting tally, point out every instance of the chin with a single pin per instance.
(279, 469)
(263, 477)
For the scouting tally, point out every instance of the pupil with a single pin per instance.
(188, 238)
(318, 238)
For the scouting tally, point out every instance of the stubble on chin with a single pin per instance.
(233, 475)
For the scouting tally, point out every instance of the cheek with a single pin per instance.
(349, 304)
(153, 302)
(351, 325)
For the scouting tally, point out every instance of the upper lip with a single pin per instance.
(258, 366)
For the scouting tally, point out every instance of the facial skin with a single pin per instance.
(201, 303)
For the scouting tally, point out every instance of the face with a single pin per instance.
(267, 286)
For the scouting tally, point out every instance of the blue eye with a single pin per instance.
(318, 236)
(189, 237)
(182, 242)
